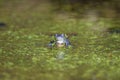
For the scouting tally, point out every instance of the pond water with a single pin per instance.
(25, 30)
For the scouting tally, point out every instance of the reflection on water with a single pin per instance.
(60, 55)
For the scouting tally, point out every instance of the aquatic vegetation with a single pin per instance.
(24, 54)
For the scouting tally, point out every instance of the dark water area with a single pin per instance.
(2, 24)
(114, 30)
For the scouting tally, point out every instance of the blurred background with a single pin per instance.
(103, 8)
(27, 11)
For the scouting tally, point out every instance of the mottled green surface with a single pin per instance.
(24, 56)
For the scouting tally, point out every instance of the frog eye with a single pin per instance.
(56, 35)
(66, 35)
(62, 35)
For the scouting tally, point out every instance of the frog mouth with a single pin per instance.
(60, 42)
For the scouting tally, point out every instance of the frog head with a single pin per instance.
(60, 40)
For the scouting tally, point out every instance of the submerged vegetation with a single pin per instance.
(23, 44)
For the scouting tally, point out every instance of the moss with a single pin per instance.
(24, 54)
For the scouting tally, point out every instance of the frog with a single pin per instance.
(61, 40)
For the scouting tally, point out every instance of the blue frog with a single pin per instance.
(61, 40)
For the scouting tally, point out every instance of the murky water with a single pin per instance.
(24, 34)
